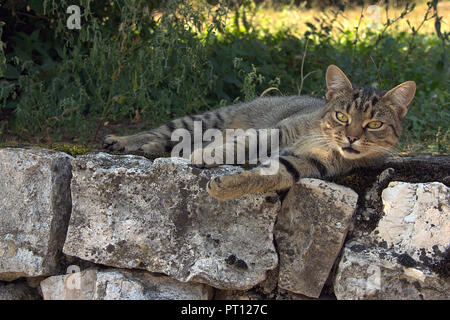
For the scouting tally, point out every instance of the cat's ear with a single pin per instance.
(336, 81)
(401, 96)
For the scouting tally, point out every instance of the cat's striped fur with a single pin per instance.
(319, 138)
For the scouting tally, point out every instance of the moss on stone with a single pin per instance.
(72, 149)
(69, 148)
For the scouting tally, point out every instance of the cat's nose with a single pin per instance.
(352, 139)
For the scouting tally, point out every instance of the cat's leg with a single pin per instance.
(213, 155)
(273, 175)
(152, 143)
(243, 147)
(158, 142)
(129, 143)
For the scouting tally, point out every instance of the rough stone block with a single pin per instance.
(115, 284)
(416, 218)
(34, 209)
(310, 232)
(407, 255)
(131, 213)
(369, 272)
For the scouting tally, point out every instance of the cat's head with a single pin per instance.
(363, 122)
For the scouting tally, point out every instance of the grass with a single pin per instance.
(272, 18)
(125, 73)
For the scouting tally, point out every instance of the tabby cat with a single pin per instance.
(318, 138)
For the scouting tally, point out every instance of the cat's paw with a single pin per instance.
(226, 187)
(114, 143)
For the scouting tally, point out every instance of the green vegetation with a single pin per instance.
(134, 65)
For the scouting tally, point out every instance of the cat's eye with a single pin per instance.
(374, 124)
(341, 117)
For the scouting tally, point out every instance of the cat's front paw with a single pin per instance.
(114, 143)
(226, 187)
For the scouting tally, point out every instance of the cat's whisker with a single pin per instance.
(310, 142)
(389, 151)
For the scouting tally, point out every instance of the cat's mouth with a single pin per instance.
(350, 150)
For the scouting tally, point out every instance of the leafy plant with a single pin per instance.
(134, 65)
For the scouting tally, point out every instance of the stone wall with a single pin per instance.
(103, 226)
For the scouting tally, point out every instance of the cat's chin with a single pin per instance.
(350, 153)
(350, 150)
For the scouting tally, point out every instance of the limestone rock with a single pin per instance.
(283, 294)
(131, 213)
(18, 291)
(236, 295)
(310, 232)
(406, 256)
(417, 218)
(369, 272)
(34, 209)
(115, 284)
